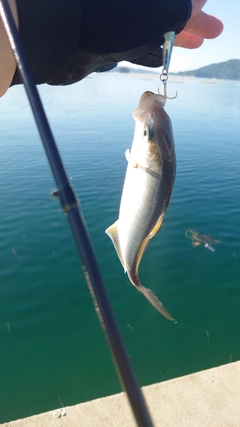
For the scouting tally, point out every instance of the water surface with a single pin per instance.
(52, 346)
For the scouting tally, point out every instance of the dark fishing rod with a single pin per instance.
(71, 208)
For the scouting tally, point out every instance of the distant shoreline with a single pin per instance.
(229, 70)
(173, 77)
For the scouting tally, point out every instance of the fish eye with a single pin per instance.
(148, 133)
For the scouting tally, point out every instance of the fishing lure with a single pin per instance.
(167, 53)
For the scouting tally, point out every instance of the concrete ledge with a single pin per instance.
(208, 398)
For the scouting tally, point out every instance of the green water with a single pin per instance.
(52, 346)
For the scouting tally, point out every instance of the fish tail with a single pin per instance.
(150, 296)
(153, 299)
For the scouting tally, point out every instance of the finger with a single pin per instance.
(188, 41)
(204, 25)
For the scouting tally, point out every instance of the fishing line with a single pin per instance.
(70, 205)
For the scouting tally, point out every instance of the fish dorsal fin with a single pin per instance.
(112, 232)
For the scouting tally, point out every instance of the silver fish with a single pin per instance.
(147, 188)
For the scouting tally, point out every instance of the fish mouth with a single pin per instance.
(148, 94)
(144, 96)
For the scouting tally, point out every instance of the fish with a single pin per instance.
(147, 189)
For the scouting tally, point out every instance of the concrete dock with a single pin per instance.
(208, 398)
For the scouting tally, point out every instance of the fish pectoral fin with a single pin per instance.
(112, 232)
(151, 297)
(146, 241)
(156, 226)
(130, 159)
(141, 251)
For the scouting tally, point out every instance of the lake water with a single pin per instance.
(52, 349)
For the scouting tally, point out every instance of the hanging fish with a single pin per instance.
(147, 188)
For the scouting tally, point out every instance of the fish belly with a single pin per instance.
(139, 212)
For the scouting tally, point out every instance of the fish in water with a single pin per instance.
(147, 188)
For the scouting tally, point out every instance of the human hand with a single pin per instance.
(103, 43)
(199, 27)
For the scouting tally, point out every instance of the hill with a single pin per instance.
(130, 69)
(229, 70)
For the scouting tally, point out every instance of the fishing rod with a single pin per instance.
(71, 208)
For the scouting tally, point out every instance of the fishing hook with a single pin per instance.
(164, 78)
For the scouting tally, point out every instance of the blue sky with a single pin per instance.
(223, 48)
